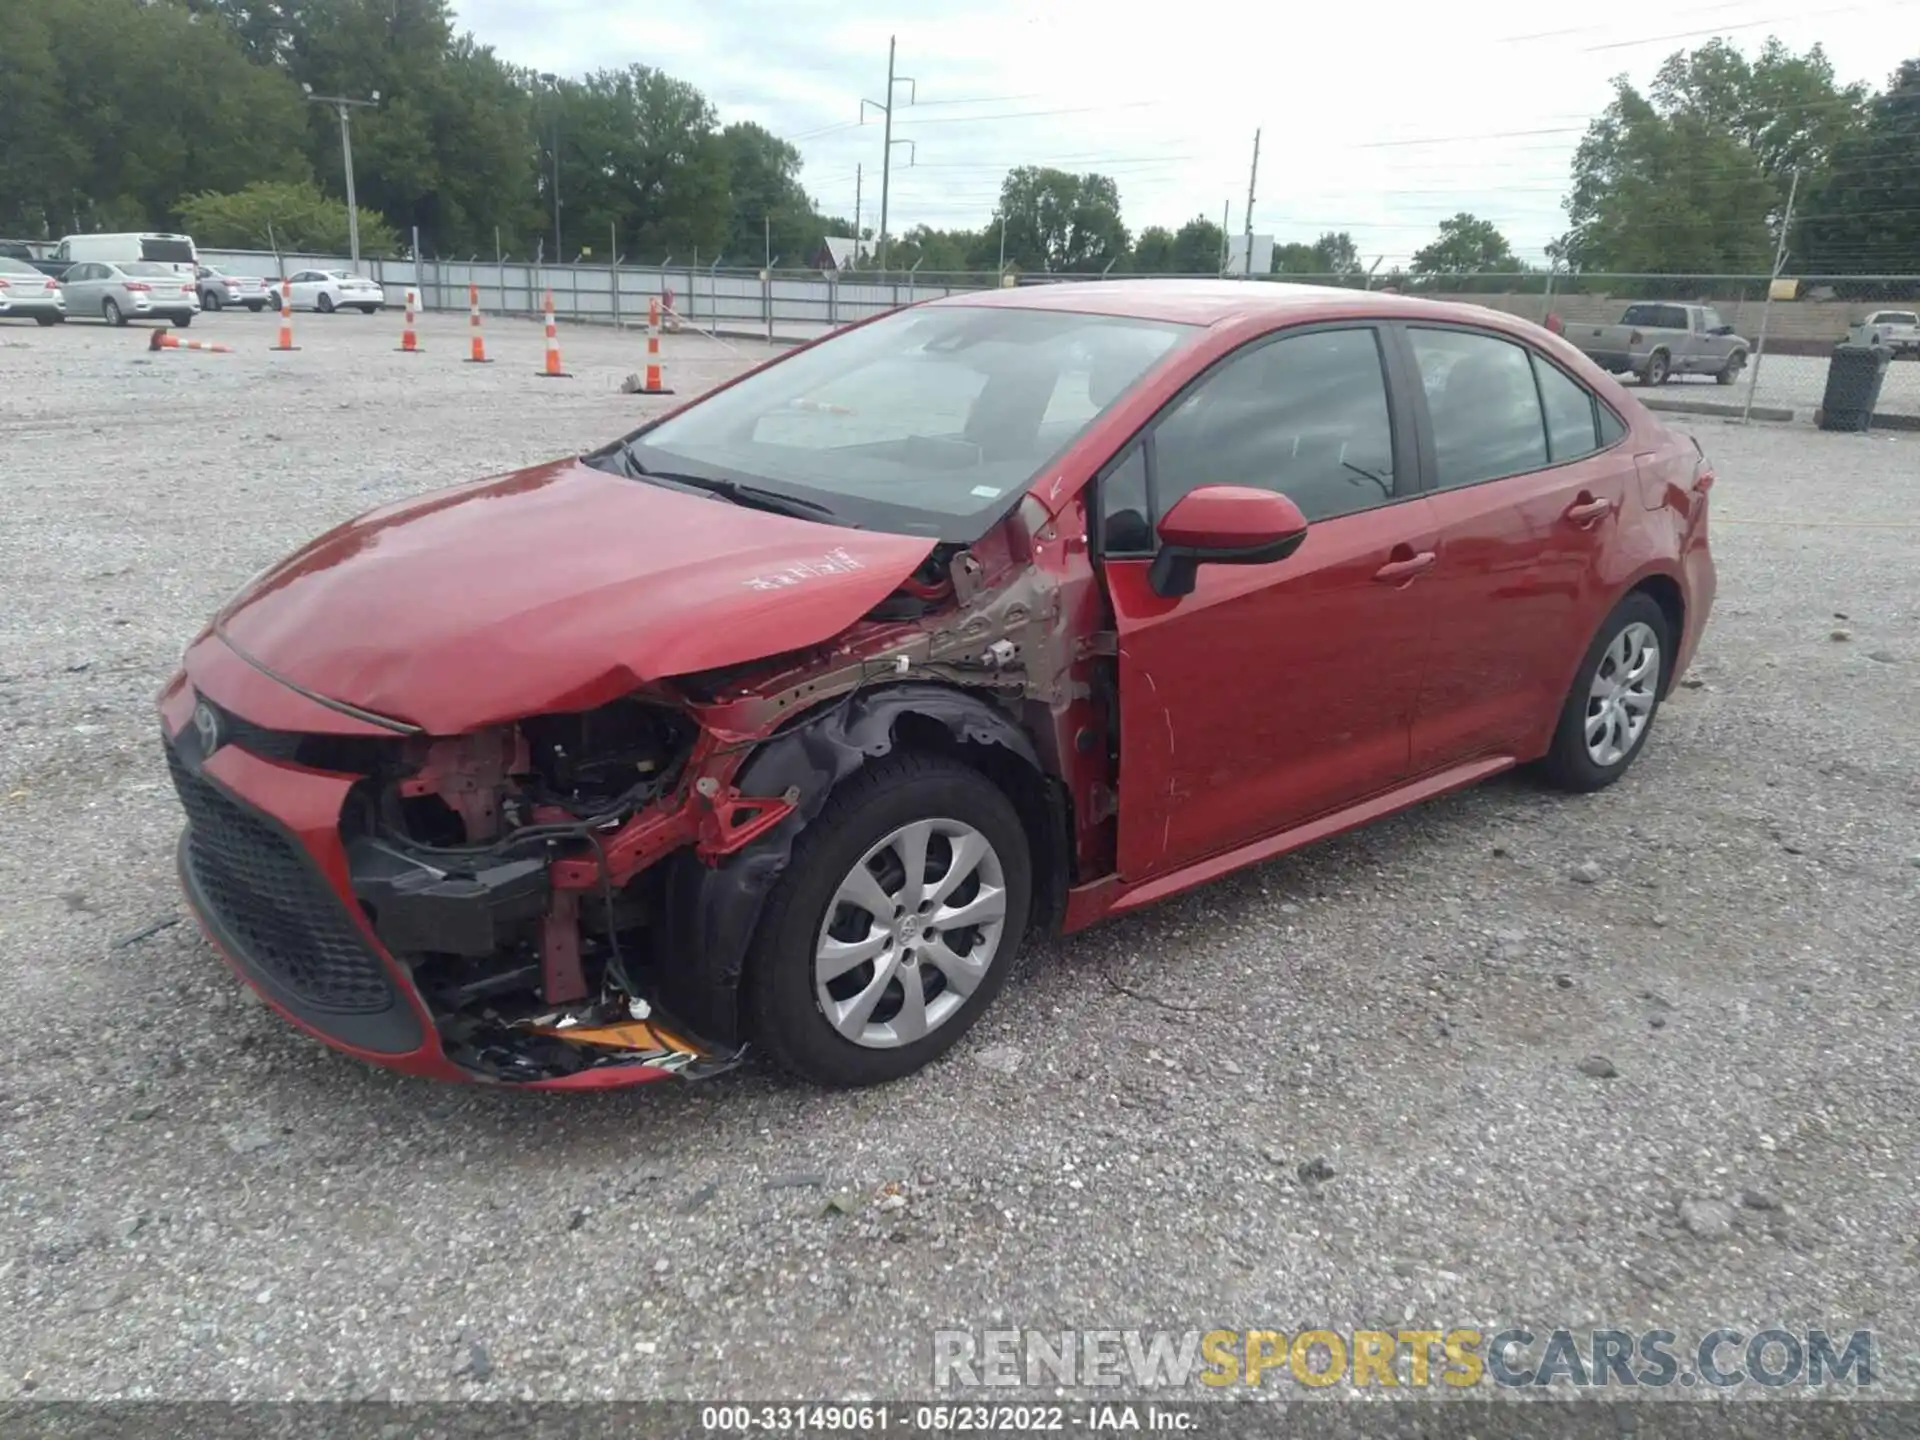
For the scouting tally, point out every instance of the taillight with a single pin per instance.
(53, 285)
(139, 285)
(186, 289)
(3, 282)
(1702, 469)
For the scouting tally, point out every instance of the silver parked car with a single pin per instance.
(122, 290)
(219, 289)
(24, 292)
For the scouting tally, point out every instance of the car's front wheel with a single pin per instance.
(894, 925)
(1609, 712)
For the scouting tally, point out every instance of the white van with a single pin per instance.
(175, 250)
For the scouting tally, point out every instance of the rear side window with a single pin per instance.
(171, 252)
(1484, 406)
(1612, 427)
(1571, 428)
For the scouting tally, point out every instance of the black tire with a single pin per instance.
(783, 1013)
(1659, 368)
(324, 304)
(1567, 764)
(255, 309)
(1730, 372)
(110, 312)
(209, 300)
(48, 319)
(368, 309)
(184, 321)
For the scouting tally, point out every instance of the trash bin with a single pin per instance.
(1854, 376)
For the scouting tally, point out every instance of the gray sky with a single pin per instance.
(1376, 122)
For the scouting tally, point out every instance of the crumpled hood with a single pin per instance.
(555, 588)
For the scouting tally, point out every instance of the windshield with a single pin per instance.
(176, 252)
(919, 421)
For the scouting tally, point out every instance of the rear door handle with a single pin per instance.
(1587, 510)
(1396, 572)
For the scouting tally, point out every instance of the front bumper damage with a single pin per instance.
(344, 935)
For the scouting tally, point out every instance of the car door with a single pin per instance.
(81, 288)
(1273, 693)
(306, 289)
(1529, 477)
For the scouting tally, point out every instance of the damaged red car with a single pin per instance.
(781, 722)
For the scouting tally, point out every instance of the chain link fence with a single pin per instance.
(1789, 326)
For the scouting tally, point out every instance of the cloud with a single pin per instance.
(1382, 126)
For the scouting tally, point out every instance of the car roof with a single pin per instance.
(1217, 302)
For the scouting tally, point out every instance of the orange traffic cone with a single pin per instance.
(286, 317)
(552, 370)
(654, 379)
(408, 342)
(479, 355)
(167, 340)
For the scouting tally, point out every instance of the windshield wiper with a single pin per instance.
(751, 497)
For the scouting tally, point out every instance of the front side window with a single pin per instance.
(1483, 404)
(919, 421)
(1305, 415)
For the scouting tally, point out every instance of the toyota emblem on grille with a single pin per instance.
(207, 723)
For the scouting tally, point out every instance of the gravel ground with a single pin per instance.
(199, 1202)
(1797, 383)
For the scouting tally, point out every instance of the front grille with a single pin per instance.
(275, 904)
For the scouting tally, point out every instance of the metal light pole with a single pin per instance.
(345, 108)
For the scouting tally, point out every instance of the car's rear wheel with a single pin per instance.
(1658, 368)
(1730, 372)
(1609, 712)
(894, 926)
(210, 300)
(47, 319)
(184, 321)
(110, 312)
(368, 309)
(324, 304)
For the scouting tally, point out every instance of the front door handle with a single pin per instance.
(1399, 571)
(1585, 510)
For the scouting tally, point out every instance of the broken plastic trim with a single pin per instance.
(712, 911)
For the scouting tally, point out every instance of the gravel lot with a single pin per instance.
(199, 1202)
(1797, 383)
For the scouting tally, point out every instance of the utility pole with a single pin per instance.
(1225, 207)
(1252, 177)
(554, 82)
(888, 142)
(858, 177)
(345, 107)
(1766, 308)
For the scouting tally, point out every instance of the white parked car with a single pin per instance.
(330, 290)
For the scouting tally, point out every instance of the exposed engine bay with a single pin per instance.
(518, 871)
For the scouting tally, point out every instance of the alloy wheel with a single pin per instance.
(1620, 700)
(910, 933)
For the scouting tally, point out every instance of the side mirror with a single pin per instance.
(1223, 525)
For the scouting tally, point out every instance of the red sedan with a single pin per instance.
(782, 721)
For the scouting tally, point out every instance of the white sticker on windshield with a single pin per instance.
(985, 492)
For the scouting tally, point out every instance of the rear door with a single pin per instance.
(1529, 478)
(1272, 693)
(81, 284)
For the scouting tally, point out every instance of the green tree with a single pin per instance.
(290, 215)
(39, 154)
(1061, 222)
(1197, 247)
(1863, 216)
(1153, 251)
(949, 252)
(1466, 245)
(1334, 253)
(1693, 176)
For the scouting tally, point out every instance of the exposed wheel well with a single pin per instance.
(1041, 802)
(1666, 594)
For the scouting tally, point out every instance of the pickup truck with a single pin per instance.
(1656, 340)
(20, 250)
(1899, 330)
